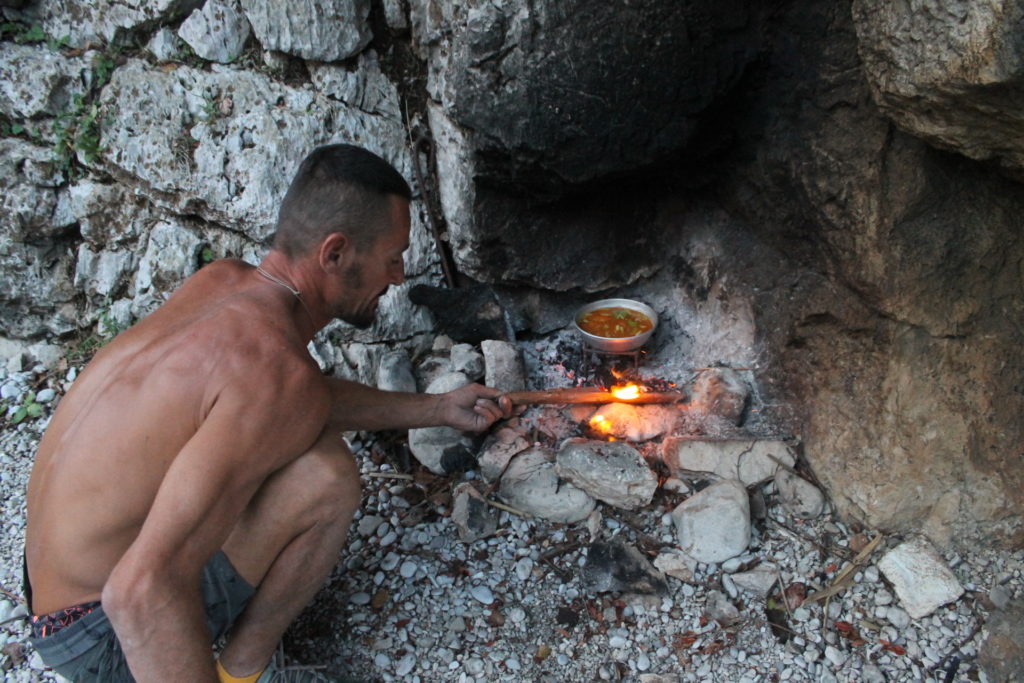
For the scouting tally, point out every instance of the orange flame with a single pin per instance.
(600, 423)
(626, 393)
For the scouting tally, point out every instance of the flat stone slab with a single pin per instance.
(472, 515)
(714, 524)
(617, 566)
(611, 471)
(921, 578)
(531, 485)
(751, 461)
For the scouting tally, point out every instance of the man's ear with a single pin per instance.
(333, 251)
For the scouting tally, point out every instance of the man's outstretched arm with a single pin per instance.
(471, 408)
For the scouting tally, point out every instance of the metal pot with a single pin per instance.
(616, 344)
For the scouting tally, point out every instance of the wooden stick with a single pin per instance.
(589, 395)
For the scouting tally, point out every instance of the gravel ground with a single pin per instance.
(409, 601)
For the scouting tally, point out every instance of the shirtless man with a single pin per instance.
(195, 478)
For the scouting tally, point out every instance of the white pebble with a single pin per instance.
(643, 662)
(408, 569)
(360, 598)
(482, 594)
(405, 665)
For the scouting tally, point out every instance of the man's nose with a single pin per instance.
(398, 274)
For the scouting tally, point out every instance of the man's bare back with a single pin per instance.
(131, 412)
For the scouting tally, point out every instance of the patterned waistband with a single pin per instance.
(48, 624)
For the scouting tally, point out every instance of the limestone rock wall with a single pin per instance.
(828, 193)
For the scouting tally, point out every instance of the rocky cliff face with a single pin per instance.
(830, 193)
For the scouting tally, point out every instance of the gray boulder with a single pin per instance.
(720, 393)
(318, 30)
(395, 372)
(634, 423)
(531, 485)
(799, 497)
(503, 365)
(438, 448)
(751, 461)
(613, 472)
(713, 525)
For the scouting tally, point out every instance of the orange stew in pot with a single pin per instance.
(615, 322)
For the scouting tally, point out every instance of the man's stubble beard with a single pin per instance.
(353, 281)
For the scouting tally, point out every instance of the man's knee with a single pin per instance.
(330, 472)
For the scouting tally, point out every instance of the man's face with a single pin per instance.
(375, 268)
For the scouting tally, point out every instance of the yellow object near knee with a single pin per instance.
(225, 677)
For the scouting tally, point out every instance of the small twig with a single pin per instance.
(506, 508)
(564, 575)
(12, 596)
(562, 550)
(845, 577)
(390, 475)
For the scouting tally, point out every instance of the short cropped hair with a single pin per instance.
(338, 188)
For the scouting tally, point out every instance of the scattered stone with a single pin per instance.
(676, 564)
(634, 423)
(675, 485)
(718, 608)
(467, 360)
(482, 594)
(217, 31)
(503, 365)
(758, 581)
(499, 451)
(616, 566)
(714, 524)
(442, 344)
(801, 498)
(1001, 655)
(472, 515)
(613, 472)
(368, 525)
(395, 372)
(722, 393)
(750, 461)
(999, 596)
(920, 577)
(531, 485)
(524, 568)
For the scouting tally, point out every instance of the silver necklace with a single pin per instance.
(296, 293)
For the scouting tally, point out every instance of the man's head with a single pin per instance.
(348, 208)
(338, 188)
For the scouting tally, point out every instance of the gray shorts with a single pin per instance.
(88, 649)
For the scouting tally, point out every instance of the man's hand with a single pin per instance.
(474, 407)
